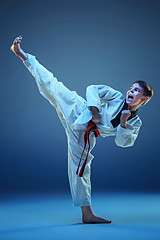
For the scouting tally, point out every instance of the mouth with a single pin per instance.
(130, 97)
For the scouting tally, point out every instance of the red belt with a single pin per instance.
(91, 128)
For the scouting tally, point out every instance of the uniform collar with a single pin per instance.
(116, 121)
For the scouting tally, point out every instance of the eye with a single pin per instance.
(136, 89)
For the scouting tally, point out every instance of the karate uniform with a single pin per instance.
(74, 114)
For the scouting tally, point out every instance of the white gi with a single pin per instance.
(74, 113)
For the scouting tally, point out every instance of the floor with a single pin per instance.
(46, 216)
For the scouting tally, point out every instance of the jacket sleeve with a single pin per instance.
(96, 94)
(126, 137)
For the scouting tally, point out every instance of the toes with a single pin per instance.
(108, 221)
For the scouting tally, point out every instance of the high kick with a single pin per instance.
(69, 106)
(115, 115)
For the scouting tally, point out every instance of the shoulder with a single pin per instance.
(105, 88)
(100, 86)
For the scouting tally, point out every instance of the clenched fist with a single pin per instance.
(95, 115)
(124, 117)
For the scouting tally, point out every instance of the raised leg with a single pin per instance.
(68, 104)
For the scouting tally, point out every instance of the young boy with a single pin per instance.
(105, 113)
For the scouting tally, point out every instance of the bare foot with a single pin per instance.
(94, 219)
(17, 49)
(16, 45)
(89, 217)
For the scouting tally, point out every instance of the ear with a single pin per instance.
(144, 100)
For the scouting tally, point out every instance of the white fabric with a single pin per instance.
(74, 113)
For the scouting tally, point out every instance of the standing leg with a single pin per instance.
(81, 186)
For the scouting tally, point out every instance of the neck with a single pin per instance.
(132, 108)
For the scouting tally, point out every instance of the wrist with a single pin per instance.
(123, 124)
(94, 109)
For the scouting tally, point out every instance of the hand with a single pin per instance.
(125, 114)
(16, 45)
(95, 115)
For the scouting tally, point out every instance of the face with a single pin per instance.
(134, 96)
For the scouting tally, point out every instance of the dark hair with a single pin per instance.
(147, 89)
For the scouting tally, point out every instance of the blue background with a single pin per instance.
(82, 43)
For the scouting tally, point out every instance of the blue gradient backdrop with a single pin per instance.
(81, 42)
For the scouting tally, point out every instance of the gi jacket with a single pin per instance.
(109, 102)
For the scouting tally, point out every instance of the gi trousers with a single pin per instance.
(69, 106)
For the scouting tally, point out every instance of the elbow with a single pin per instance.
(88, 88)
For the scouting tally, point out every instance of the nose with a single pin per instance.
(131, 91)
